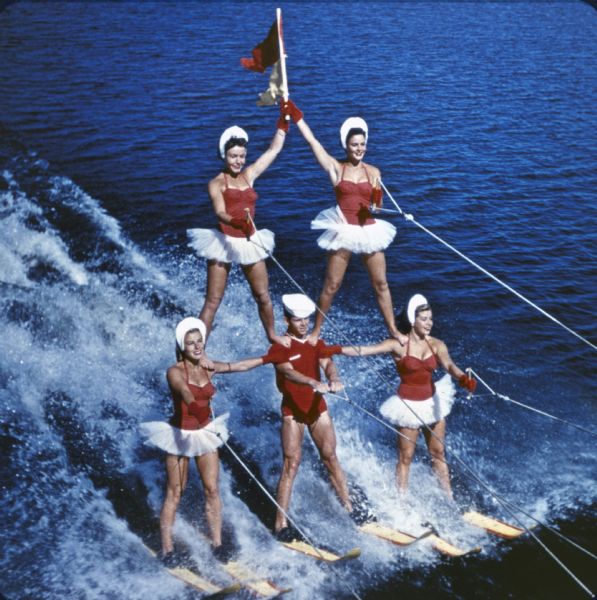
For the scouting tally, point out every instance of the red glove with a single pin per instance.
(276, 354)
(329, 351)
(289, 108)
(468, 383)
(242, 224)
(377, 197)
(282, 124)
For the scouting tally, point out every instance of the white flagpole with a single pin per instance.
(282, 53)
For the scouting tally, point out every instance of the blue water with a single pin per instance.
(483, 124)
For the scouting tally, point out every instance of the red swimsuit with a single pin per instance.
(416, 381)
(202, 394)
(236, 201)
(354, 199)
(298, 400)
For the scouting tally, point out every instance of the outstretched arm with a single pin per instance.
(385, 347)
(276, 354)
(236, 367)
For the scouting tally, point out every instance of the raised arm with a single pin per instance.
(252, 172)
(328, 163)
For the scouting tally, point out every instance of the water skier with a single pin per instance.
(191, 432)
(298, 377)
(235, 240)
(350, 226)
(419, 399)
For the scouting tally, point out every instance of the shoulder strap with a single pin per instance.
(430, 347)
(366, 173)
(246, 180)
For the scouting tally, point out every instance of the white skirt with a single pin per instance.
(215, 245)
(434, 409)
(356, 238)
(186, 442)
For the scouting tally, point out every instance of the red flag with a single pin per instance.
(265, 54)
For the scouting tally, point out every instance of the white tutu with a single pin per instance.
(186, 442)
(356, 238)
(215, 245)
(432, 410)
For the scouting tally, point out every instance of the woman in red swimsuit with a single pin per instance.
(191, 431)
(420, 402)
(235, 240)
(349, 226)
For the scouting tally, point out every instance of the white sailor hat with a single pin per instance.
(232, 132)
(415, 302)
(352, 123)
(298, 305)
(186, 325)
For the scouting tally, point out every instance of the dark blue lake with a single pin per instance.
(482, 120)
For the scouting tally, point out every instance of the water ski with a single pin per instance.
(401, 538)
(196, 581)
(320, 553)
(492, 525)
(446, 547)
(246, 578)
(392, 535)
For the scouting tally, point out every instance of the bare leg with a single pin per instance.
(208, 466)
(256, 275)
(324, 436)
(217, 276)
(376, 267)
(336, 268)
(406, 450)
(291, 434)
(177, 468)
(435, 445)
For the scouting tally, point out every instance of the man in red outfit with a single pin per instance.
(298, 376)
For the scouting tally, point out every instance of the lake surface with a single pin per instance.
(481, 118)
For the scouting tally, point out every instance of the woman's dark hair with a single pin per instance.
(234, 141)
(355, 131)
(402, 323)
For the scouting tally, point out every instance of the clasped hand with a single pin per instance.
(331, 386)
